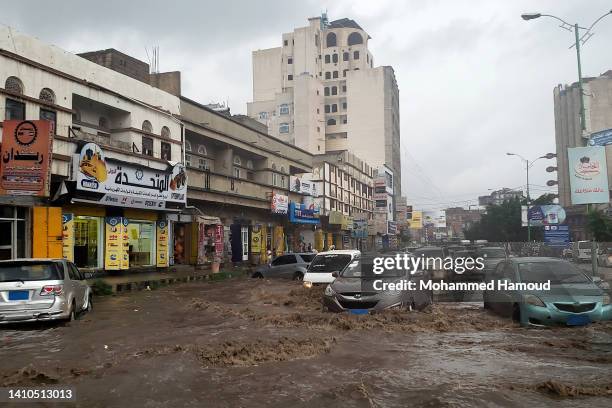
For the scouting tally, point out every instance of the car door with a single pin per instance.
(276, 266)
(289, 267)
(506, 300)
(493, 296)
(76, 285)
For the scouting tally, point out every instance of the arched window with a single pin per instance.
(237, 161)
(331, 40)
(326, 91)
(47, 95)
(147, 127)
(335, 58)
(202, 150)
(14, 84)
(165, 132)
(355, 38)
(187, 145)
(334, 90)
(331, 122)
(249, 164)
(103, 123)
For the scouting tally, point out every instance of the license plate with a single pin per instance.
(580, 320)
(358, 311)
(19, 295)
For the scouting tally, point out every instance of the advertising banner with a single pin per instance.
(392, 228)
(25, 157)
(435, 219)
(557, 236)
(303, 184)
(602, 138)
(540, 215)
(125, 260)
(280, 203)
(335, 217)
(113, 253)
(127, 184)
(218, 243)
(256, 239)
(68, 237)
(588, 175)
(162, 244)
(301, 214)
(416, 221)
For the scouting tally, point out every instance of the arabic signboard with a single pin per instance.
(602, 138)
(435, 219)
(256, 234)
(280, 203)
(301, 214)
(392, 228)
(416, 222)
(557, 236)
(25, 164)
(540, 215)
(588, 175)
(127, 184)
(162, 244)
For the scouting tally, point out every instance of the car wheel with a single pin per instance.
(298, 276)
(89, 304)
(72, 314)
(257, 275)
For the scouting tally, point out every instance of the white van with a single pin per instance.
(323, 266)
(581, 251)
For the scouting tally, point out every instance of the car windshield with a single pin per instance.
(493, 253)
(329, 263)
(555, 272)
(29, 271)
(364, 268)
(307, 258)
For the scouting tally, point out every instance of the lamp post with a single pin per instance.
(529, 164)
(578, 41)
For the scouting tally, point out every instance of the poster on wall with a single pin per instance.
(540, 215)
(68, 237)
(25, 158)
(588, 175)
(280, 203)
(218, 243)
(162, 244)
(113, 253)
(125, 260)
(128, 184)
(256, 239)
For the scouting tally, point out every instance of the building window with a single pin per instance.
(14, 110)
(328, 75)
(327, 59)
(51, 116)
(343, 105)
(326, 91)
(334, 108)
(335, 58)
(344, 88)
(188, 160)
(334, 90)
(147, 127)
(356, 55)
(47, 95)
(354, 39)
(165, 132)
(249, 164)
(344, 71)
(237, 161)
(275, 179)
(166, 151)
(103, 123)
(236, 172)
(250, 176)
(187, 145)
(202, 150)
(344, 121)
(289, 60)
(203, 164)
(283, 128)
(331, 122)
(284, 109)
(335, 74)
(289, 77)
(14, 84)
(282, 169)
(141, 240)
(147, 146)
(327, 110)
(285, 43)
(331, 40)
(345, 56)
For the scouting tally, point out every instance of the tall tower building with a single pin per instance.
(321, 91)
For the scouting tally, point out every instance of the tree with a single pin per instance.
(600, 225)
(501, 223)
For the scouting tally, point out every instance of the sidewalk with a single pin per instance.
(176, 274)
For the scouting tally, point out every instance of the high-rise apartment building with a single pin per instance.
(320, 91)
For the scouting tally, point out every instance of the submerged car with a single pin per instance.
(42, 289)
(573, 298)
(325, 264)
(288, 266)
(359, 289)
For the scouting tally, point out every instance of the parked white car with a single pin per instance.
(327, 264)
(42, 289)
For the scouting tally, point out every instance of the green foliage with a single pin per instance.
(101, 288)
(502, 223)
(600, 225)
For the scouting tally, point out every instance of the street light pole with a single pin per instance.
(580, 89)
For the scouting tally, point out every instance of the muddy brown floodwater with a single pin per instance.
(258, 343)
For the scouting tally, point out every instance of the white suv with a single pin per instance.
(326, 266)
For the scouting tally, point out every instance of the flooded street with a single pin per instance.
(266, 343)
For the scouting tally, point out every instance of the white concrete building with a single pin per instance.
(321, 91)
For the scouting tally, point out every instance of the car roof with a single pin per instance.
(524, 259)
(341, 252)
(33, 260)
(298, 253)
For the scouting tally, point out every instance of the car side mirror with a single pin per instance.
(335, 274)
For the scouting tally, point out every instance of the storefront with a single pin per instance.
(304, 221)
(119, 214)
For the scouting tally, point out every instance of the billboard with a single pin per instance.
(303, 184)
(434, 218)
(280, 203)
(25, 164)
(601, 138)
(588, 175)
(416, 222)
(540, 215)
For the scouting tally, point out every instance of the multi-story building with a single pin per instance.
(458, 219)
(111, 161)
(498, 197)
(321, 91)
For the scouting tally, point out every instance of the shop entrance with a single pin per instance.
(12, 232)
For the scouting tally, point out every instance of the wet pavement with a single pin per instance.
(258, 343)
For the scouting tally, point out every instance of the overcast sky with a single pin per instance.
(475, 80)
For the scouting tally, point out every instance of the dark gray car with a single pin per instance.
(355, 289)
(287, 266)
